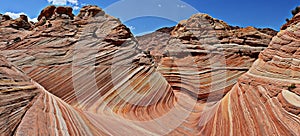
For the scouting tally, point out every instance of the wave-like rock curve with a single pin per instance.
(88, 75)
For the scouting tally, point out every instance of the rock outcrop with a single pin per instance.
(4, 17)
(51, 12)
(16, 95)
(19, 23)
(205, 47)
(268, 94)
(13, 30)
(218, 32)
(47, 12)
(90, 11)
(88, 75)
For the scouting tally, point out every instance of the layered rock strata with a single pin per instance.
(213, 53)
(88, 75)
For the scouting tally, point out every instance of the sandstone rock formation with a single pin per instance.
(4, 17)
(268, 94)
(208, 48)
(51, 12)
(19, 23)
(90, 11)
(12, 31)
(16, 95)
(88, 75)
(47, 12)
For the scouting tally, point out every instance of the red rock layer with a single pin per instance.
(17, 94)
(205, 54)
(266, 99)
(88, 75)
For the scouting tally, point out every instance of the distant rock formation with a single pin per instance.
(205, 47)
(4, 17)
(19, 23)
(88, 75)
(47, 12)
(90, 11)
(291, 22)
(296, 11)
(217, 29)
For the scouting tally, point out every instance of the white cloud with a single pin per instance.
(181, 6)
(159, 5)
(131, 27)
(73, 2)
(63, 2)
(33, 19)
(58, 2)
(76, 8)
(17, 15)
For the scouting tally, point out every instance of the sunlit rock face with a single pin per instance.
(268, 94)
(88, 75)
(205, 54)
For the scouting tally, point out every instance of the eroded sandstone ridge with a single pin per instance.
(213, 53)
(88, 75)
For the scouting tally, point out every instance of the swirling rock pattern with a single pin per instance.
(212, 52)
(267, 95)
(16, 95)
(88, 75)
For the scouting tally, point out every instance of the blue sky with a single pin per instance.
(144, 16)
